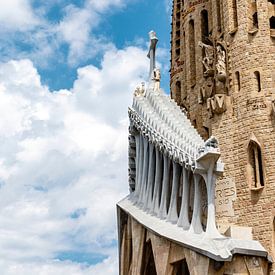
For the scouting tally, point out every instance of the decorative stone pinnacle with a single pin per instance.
(152, 52)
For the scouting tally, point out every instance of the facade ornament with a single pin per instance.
(140, 90)
(216, 104)
(208, 58)
(221, 64)
(206, 90)
(156, 78)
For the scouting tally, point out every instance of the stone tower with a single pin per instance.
(202, 162)
(223, 75)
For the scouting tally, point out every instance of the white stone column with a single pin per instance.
(165, 186)
(173, 212)
(144, 170)
(210, 179)
(183, 220)
(196, 226)
(151, 178)
(139, 162)
(158, 180)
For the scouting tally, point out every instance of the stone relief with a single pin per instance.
(208, 58)
(213, 90)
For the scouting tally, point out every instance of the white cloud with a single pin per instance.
(17, 15)
(63, 159)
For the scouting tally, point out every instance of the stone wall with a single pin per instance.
(238, 110)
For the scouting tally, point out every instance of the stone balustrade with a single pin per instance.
(166, 157)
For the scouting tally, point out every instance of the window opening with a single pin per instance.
(258, 80)
(237, 81)
(204, 26)
(256, 165)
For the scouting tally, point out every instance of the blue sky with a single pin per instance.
(68, 70)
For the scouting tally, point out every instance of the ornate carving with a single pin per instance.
(206, 91)
(140, 90)
(208, 59)
(216, 104)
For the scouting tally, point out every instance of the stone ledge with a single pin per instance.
(220, 249)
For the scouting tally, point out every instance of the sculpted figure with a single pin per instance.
(208, 57)
(140, 90)
(221, 63)
(157, 77)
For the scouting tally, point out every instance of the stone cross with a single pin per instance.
(152, 52)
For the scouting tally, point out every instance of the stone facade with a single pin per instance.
(223, 75)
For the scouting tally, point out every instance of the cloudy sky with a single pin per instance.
(67, 73)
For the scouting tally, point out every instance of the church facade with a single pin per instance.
(201, 162)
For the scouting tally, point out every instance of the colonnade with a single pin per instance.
(160, 182)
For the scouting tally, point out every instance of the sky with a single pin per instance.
(68, 70)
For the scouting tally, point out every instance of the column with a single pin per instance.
(173, 212)
(210, 179)
(196, 226)
(165, 186)
(158, 180)
(144, 171)
(139, 171)
(183, 220)
(151, 178)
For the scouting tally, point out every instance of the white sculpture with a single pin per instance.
(156, 78)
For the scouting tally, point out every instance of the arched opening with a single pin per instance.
(204, 26)
(256, 173)
(237, 82)
(257, 81)
(149, 267)
(180, 268)
(192, 50)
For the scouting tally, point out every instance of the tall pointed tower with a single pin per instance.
(223, 75)
(202, 162)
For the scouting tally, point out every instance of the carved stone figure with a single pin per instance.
(157, 78)
(206, 90)
(221, 64)
(208, 58)
(140, 90)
